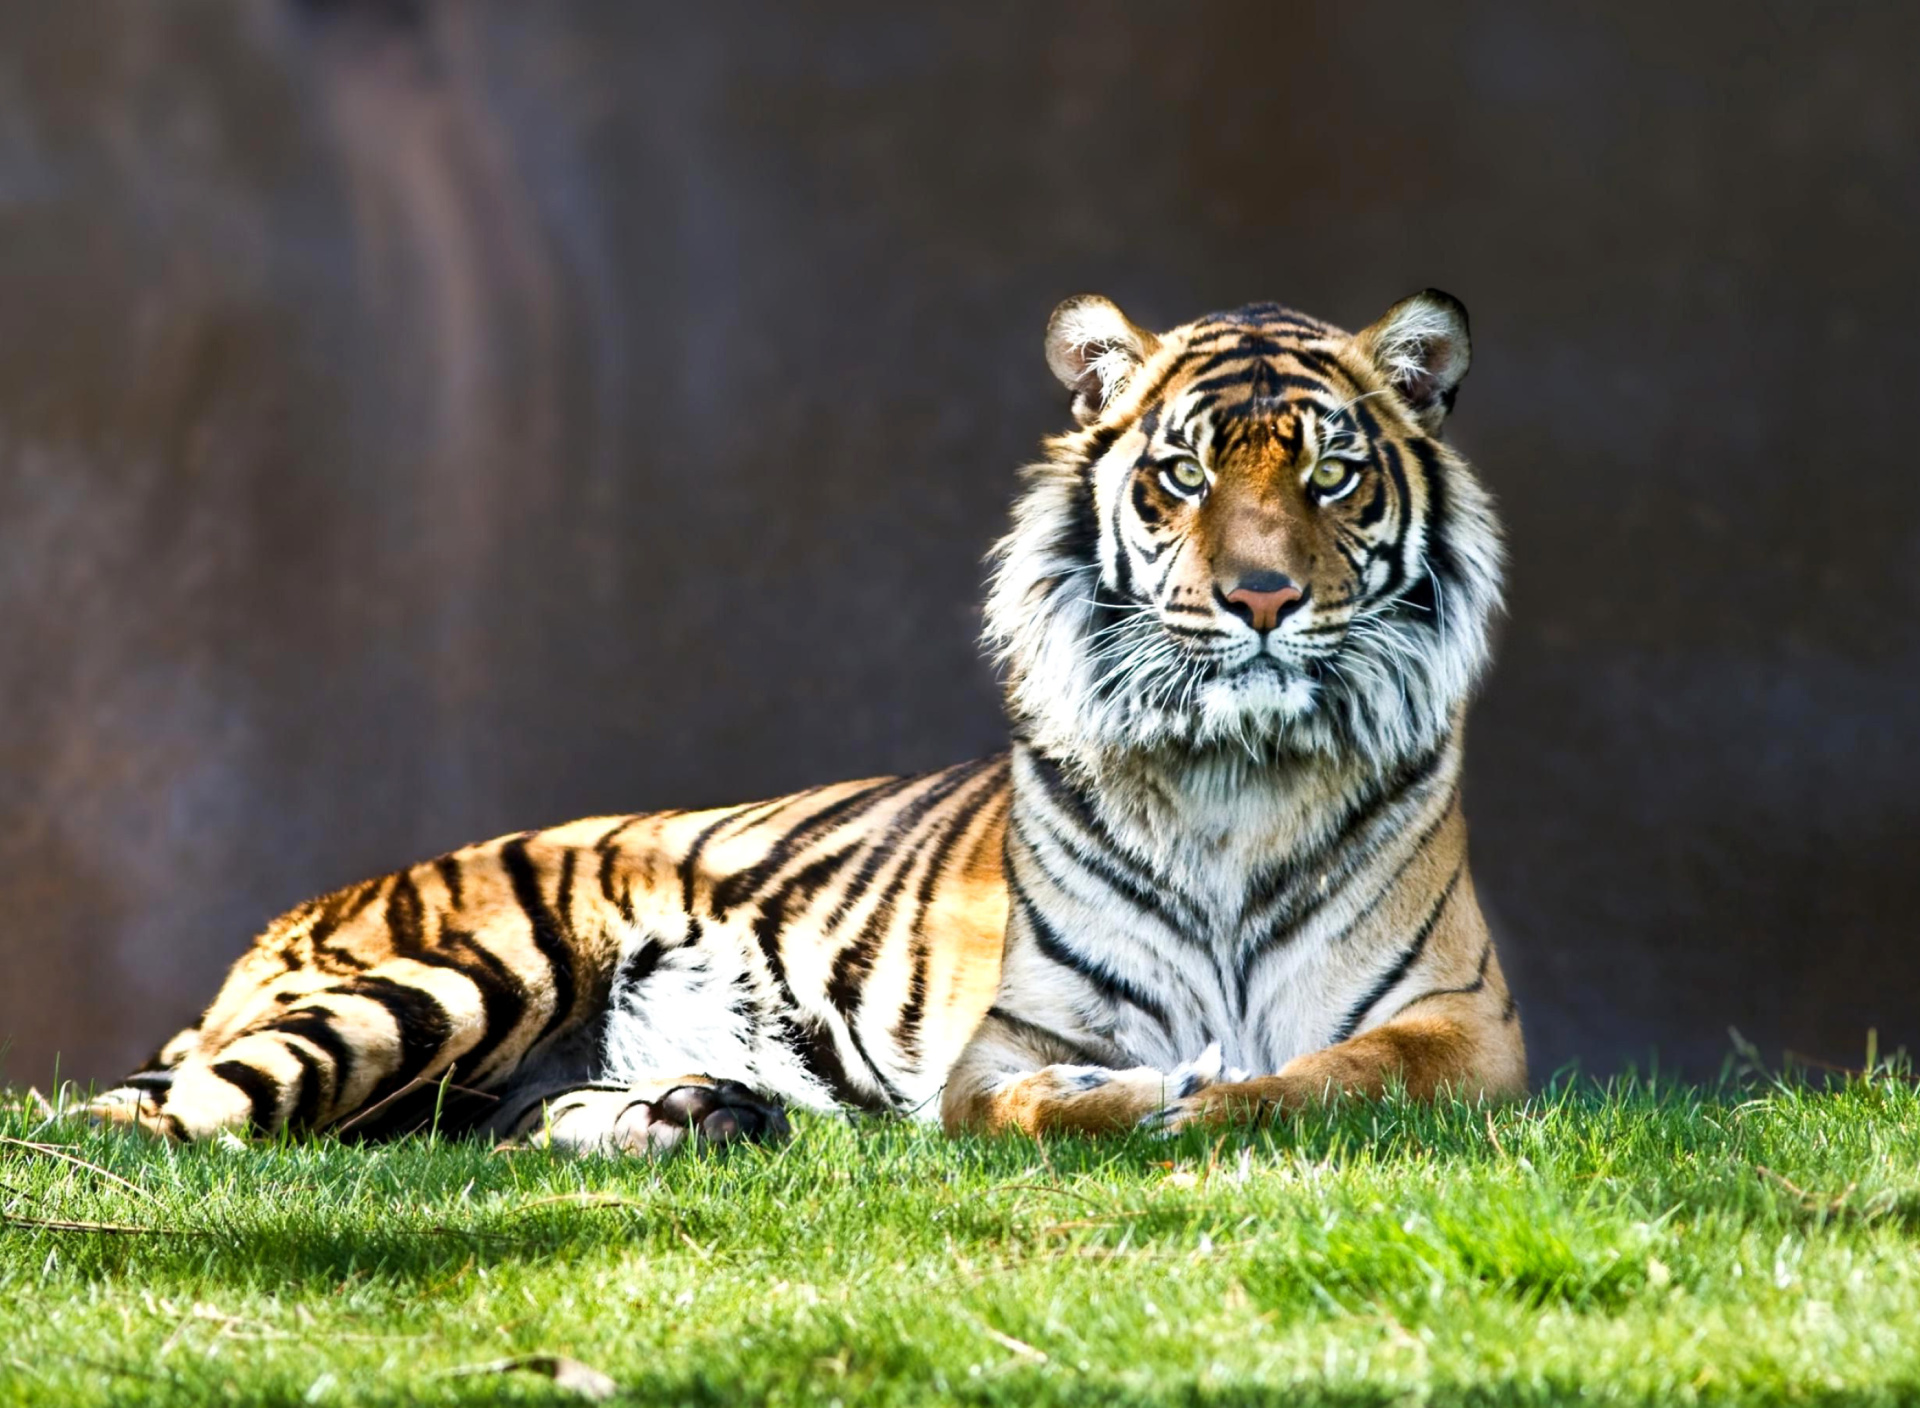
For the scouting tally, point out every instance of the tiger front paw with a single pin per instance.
(692, 1112)
(723, 1113)
(1093, 1099)
(1228, 1102)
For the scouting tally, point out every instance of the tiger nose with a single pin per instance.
(1262, 599)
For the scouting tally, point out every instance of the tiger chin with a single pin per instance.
(1220, 873)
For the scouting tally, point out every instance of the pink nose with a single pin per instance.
(1265, 608)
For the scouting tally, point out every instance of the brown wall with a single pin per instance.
(419, 421)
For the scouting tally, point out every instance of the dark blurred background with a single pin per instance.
(424, 420)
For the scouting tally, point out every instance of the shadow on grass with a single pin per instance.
(297, 1214)
(296, 1258)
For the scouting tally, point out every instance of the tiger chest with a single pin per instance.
(1262, 999)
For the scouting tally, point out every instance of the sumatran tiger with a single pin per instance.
(1221, 872)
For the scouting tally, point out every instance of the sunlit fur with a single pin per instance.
(1214, 849)
(1077, 612)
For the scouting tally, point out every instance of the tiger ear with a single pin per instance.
(1094, 349)
(1422, 349)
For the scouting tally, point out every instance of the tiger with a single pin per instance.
(1219, 874)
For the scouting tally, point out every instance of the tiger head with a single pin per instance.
(1255, 540)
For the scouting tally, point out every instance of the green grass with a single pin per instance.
(1618, 1245)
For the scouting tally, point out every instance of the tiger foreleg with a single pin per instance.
(654, 1118)
(1011, 1078)
(1428, 1056)
(1092, 1099)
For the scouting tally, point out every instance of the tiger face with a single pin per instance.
(1255, 541)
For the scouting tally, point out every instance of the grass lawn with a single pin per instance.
(1634, 1245)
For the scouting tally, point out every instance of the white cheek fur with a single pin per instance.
(1073, 685)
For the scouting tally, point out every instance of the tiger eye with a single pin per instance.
(1331, 474)
(1187, 474)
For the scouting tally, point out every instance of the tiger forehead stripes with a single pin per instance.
(1221, 872)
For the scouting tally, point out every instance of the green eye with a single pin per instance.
(1333, 477)
(1186, 476)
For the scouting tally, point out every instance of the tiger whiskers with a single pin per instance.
(1439, 599)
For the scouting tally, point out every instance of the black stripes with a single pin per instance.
(782, 894)
(635, 969)
(1463, 990)
(906, 1028)
(606, 847)
(406, 915)
(854, 963)
(1397, 474)
(1077, 538)
(1262, 380)
(1108, 985)
(882, 848)
(1442, 815)
(452, 876)
(1440, 551)
(262, 1091)
(503, 996)
(813, 1042)
(1122, 560)
(1265, 314)
(904, 842)
(690, 863)
(1375, 507)
(1096, 851)
(1145, 495)
(563, 892)
(421, 1023)
(548, 930)
(1049, 1047)
(314, 1025)
(306, 1107)
(328, 915)
(736, 889)
(808, 1038)
(1343, 868)
(1293, 885)
(770, 920)
(1402, 965)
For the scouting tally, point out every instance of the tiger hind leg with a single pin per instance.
(653, 1118)
(328, 1055)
